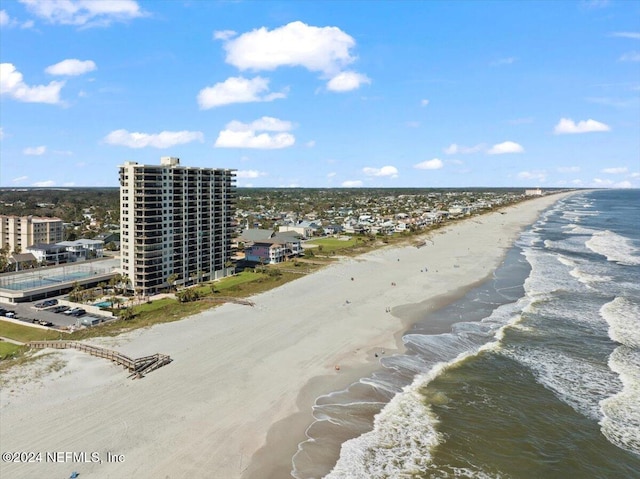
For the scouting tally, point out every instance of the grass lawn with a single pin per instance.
(331, 245)
(8, 349)
(167, 310)
(24, 334)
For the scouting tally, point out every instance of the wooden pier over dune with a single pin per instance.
(137, 367)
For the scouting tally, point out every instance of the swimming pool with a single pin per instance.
(103, 304)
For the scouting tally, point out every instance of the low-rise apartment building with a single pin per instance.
(19, 232)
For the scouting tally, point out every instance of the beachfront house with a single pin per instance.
(83, 249)
(48, 254)
(270, 247)
(20, 261)
(305, 228)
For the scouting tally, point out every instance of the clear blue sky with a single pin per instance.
(323, 93)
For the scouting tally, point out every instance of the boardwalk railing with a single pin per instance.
(137, 367)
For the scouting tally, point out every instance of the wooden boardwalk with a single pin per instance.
(137, 367)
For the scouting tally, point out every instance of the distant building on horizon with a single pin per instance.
(20, 232)
(175, 222)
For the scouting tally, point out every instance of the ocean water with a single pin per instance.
(538, 375)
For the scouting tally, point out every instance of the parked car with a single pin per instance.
(46, 303)
(79, 312)
(60, 309)
(10, 314)
(71, 311)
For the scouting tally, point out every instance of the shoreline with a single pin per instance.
(272, 461)
(239, 373)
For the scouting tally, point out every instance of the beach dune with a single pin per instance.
(238, 396)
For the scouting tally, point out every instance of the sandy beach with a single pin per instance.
(238, 396)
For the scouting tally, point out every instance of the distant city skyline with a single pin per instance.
(323, 94)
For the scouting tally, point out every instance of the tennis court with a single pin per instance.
(50, 276)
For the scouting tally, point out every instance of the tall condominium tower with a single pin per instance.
(175, 223)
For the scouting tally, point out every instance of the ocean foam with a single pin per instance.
(580, 384)
(401, 442)
(575, 229)
(621, 421)
(614, 247)
(586, 278)
(623, 317)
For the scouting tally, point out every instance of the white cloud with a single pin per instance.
(44, 184)
(20, 179)
(244, 135)
(224, 34)
(601, 182)
(347, 81)
(568, 169)
(633, 35)
(86, 13)
(267, 123)
(164, 139)
(318, 49)
(624, 184)
(391, 171)
(331, 175)
(630, 57)
(503, 61)
(455, 149)
(594, 4)
(12, 84)
(434, 164)
(35, 150)
(352, 184)
(250, 174)
(1, 133)
(7, 21)
(568, 126)
(310, 144)
(424, 102)
(505, 147)
(533, 175)
(323, 49)
(236, 90)
(71, 67)
(615, 171)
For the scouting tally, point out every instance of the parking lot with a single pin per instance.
(28, 313)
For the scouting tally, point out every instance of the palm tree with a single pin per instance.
(124, 283)
(127, 314)
(171, 280)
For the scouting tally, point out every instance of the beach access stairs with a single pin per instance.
(137, 367)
